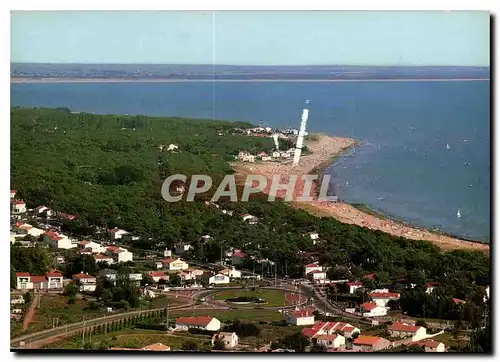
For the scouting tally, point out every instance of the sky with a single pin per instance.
(440, 38)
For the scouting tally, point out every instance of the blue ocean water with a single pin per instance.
(404, 168)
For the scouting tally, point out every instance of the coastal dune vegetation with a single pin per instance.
(108, 170)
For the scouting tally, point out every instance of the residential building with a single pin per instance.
(174, 264)
(457, 301)
(157, 275)
(172, 147)
(381, 298)
(158, 264)
(181, 248)
(317, 275)
(194, 272)
(119, 254)
(202, 322)
(300, 317)
(403, 330)
(127, 238)
(353, 286)
(218, 279)
(23, 281)
(246, 157)
(230, 339)
(312, 267)
(18, 207)
(95, 248)
(330, 340)
(109, 274)
(135, 277)
(85, 282)
(27, 229)
(314, 236)
(40, 209)
(370, 343)
(103, 258)
(431, 345)
(238, 257)
(58, 241)
(232, 273)
(51, 280)
(167, 253)
(116, 233)
(371, 309)
(13, 194)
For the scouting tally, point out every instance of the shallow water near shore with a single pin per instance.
(402, 169)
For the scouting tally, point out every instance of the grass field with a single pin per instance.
(224, 315)
(131, 338)
(274, 298)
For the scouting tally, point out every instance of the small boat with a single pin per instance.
(347, 183)
(448, 147)
(458, 214)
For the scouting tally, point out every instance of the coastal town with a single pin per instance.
(369, 320)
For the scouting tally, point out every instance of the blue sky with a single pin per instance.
(252, 37)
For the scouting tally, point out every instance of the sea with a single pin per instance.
(425, 151)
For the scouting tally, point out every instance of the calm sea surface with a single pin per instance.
(404, 169)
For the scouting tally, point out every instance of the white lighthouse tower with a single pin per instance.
(300, 138)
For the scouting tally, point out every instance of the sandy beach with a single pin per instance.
(323, 150)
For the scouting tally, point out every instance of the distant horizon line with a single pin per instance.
(260, 65)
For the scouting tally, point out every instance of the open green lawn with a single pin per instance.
(131, 338)
(274, 298)
(224, 315)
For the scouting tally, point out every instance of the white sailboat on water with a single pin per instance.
(459, 215)
(448, 147)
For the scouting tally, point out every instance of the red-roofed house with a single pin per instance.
(174, 264)
(157, 275)
(300, 317)
(353, 286)
(94, 247)
(312, 267)
(99, 258)
(238, 257)
(202, 322)
(400, 329)
(330, 340)
(18, 206)
(369, 276)
(119, 254)
(336, 327)
(429, 287)
(431, 345)
(23, 281)
(383, 297)
(65, 217)
(51, 280)
(58, 241)
(370, 309)
(370, 343)
(457, 301)
(86, 282)
(13, 193)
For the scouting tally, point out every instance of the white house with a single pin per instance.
(276, 154)
(317, 275)
(311, 267)
(370, 343)
(431, 345)
(370, 309)
(230, 339)
(232, 273)
(174, 264)
(19, 206)
(135, 277)
(119, 254)
(403, 330)
(23, 281)
(109, 274)
(246, 157)
(86, 282)
(301, 317)
(218, 279)
(353, 286)
(95, 248)
(330, 340)
(27, 229)
(181, 248)
(116, 233)
(202, 322)
(104, 259)
(51, 280)
(172, 147)
(158, 264)
(381, 298)
(59, 241)
(167, 253)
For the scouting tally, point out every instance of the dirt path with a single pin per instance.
(30, 315)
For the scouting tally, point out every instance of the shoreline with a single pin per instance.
(324, 152)
(28, 80)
